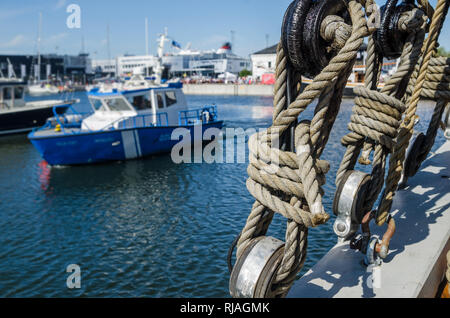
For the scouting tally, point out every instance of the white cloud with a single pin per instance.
(14, 42)
(55, 38)
(60, 4)
(12, 13)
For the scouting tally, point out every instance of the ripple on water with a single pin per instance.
(139, 228)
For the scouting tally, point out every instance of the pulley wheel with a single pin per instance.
(350, 195)
(306, 50)
(292, 34)
(389, 39)
(255, 270)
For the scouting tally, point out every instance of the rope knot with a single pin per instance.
(276, 176)
(412, 21)
(375, 116)
(335, 30)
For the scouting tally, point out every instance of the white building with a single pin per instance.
(185, 62)
(127, 65)
(264, 61)
(124, 65)
(104, 66)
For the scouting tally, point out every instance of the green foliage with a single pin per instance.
(442, 52)
(245, 73)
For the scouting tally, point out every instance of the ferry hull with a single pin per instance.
(25, 120)
(116, 145)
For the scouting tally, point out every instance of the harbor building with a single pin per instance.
(182, 63)
(76, 67)
(263, 62)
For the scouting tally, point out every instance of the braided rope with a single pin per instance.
(376, 116)
(407, 126)
(290, 183)
(437, 81)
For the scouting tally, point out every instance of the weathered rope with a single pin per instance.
(407, 126)
(437, 88)
(288, 182)
(376, 116)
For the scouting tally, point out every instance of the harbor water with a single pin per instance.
(140, 228)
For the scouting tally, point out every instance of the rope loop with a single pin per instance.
(289, 180)
(375, 116)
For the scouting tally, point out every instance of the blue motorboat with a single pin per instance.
(123, 125)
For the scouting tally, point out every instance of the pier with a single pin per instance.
(416, 262)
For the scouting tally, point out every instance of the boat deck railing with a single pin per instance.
(62, 119)
(193, 116)
(68, 123)
(143, 121)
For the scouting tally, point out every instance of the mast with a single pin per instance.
(108, 46)
(38, 75)
(146, 36)
(146, 44)
(159, 67)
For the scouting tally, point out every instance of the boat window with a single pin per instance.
(18, 92)
(159, 97)
(171, 98)
(117, 104)
(7, 93)
(96, 103)
(140, 102)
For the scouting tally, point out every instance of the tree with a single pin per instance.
(442, 52)
(245, 73)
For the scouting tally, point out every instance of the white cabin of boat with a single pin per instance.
(158, 106)
(11, 93)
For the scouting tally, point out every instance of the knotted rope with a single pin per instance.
(407, 126)
(376, 116)
(437, 88)
(288, 182)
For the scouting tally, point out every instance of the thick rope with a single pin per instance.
(437, 80)
(407, 126)
(290, 183)
(377, 115)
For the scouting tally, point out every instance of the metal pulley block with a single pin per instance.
(389, 38)
(348, 203)
(306, 50)
(255, 270)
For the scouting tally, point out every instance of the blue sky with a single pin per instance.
(206, 24)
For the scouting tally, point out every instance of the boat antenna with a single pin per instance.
(233, 33)
(108, 45)
(38, 75)
(146, 44)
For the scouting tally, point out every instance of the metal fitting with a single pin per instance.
(254, 271)
(348, 203)
(371, 257)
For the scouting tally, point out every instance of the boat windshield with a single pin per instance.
(117, 104)
(97, 104)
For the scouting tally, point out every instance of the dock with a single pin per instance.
(416, 262)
